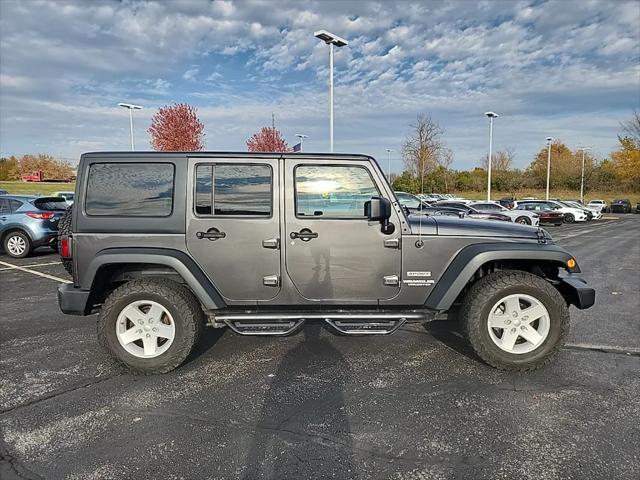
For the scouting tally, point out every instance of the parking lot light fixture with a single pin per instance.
(584, 149)
(301, 136)
(331, 40)
(131, 108)
(491, 116)
(549, 142)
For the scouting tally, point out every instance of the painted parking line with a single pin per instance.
(33, 265)
(34, 272)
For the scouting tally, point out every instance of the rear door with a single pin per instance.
(333, 253)
(233, 225)
(5, 211)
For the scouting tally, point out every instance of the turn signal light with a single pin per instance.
(40, 215)
(571, 263)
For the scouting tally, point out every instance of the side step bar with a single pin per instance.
(345, 322)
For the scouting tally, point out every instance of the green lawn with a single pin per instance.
(36, 188)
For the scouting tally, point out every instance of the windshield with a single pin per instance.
(408, 200)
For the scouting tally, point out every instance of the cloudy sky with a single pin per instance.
(568, 69)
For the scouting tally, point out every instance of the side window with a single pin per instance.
(233, 190)
(15, 204)
(130, 189)
(333, 191)
(4, 206)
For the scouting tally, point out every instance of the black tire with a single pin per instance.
(523, 220)
(187, 315)
(65, 229)
(569, 218)
(17, 235)
(489, 290)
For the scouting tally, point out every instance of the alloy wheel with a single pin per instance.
(145, 329)
(16, 245)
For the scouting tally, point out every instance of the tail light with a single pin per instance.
(65, 247)
(40, 215)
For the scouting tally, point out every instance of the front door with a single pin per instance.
(333, 253)
(233, 227)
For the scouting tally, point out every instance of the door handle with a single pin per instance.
(305, 235)
(212, 234)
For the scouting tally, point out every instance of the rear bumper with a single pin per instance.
(73, 301)
(576, 290)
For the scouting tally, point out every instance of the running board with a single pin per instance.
(344, 321)
(366, 327)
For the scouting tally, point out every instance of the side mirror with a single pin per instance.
(378, 209)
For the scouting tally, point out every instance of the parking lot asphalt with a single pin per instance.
(415, 405)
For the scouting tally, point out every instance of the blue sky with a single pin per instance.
(567, 69)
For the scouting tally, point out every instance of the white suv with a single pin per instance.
(570, 214)
(599, 205)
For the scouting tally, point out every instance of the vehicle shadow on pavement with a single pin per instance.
(210, 336)
(450, 334)
(303, 429)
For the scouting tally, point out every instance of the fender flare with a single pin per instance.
(462, 268)
(182, 263)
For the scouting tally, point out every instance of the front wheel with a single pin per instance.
(151, 326)
(515, 320)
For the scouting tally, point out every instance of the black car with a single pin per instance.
(507, 202)
(621, 206)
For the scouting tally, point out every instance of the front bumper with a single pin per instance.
(577, 292)
(73, 301)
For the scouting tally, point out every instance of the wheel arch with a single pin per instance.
(16, 228)
(475, 261)
(114, 266)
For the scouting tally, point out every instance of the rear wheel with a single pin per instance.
(151, 326)
(515, 320)
(569, 218)
(523, 220)
(17, 244)
(64, 229)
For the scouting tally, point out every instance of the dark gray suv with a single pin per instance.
(162, 244)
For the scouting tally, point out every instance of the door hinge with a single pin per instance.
(273, 243)
(271, 281)
(392, 243)
(391, 280)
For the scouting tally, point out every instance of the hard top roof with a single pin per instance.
(220, 154)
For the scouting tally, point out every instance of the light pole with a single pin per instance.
(389, 164)
(549, 141)
(131, 108)
(331, 40)
(491, 116)
(582, 175)
(301, 136)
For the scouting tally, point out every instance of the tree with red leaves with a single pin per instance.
(268, 139)
(177, 128)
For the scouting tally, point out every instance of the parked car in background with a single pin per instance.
(524, 217)
(565, 203)
(469, 211)
(596, 214)
(68, 196)
(545, 213)
(4, 192)
(507, 202)
(27, 222)
(570, 214)
(411, 202)
(598, 204)
(621, 206)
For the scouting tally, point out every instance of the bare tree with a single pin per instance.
(501, 161)
(632, 127)
(422, 149)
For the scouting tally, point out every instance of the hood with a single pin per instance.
(468, 227)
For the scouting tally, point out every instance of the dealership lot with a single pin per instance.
(413, 405)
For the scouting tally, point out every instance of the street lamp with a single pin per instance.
(130, 107)
(582, 175)
(301, 137)
(331, 40)
(389, 164)
(491, 116)
(549, 141)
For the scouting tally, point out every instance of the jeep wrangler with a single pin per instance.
(163, 244)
